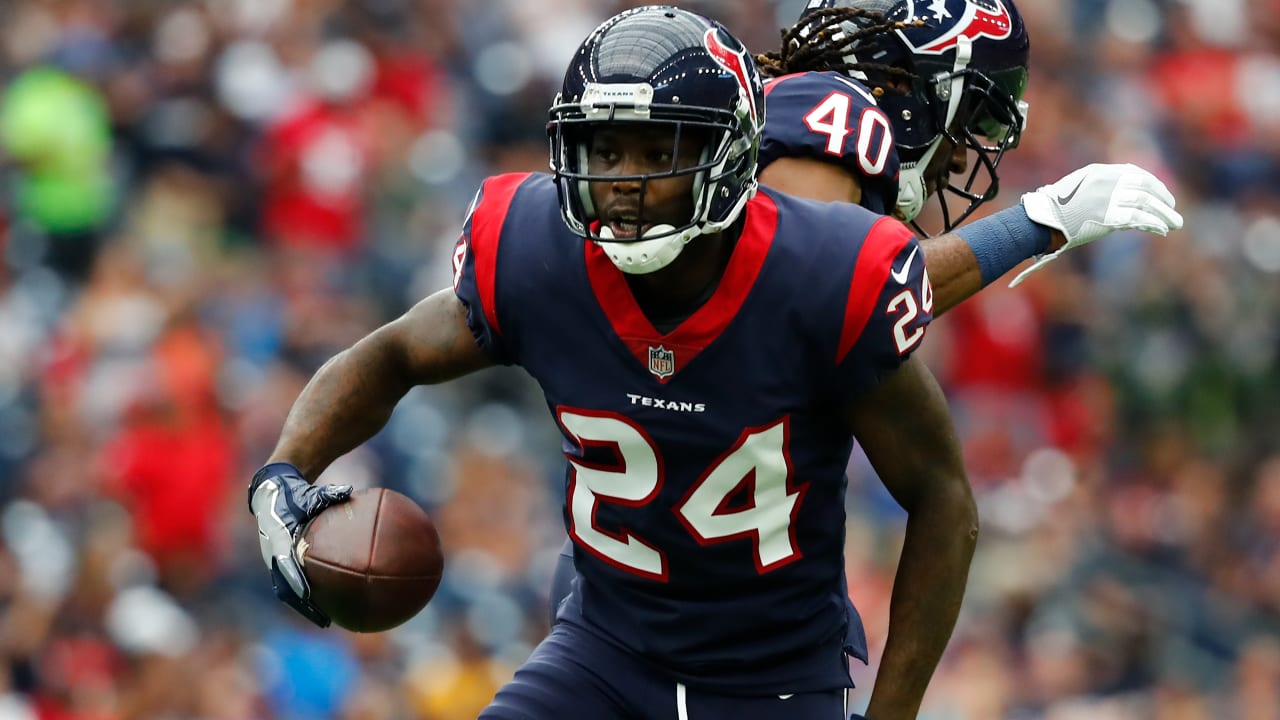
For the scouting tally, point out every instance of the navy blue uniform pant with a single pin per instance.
(574, 674)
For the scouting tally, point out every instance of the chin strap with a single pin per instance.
(912, 191)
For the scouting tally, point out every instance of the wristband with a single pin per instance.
(1003, 240)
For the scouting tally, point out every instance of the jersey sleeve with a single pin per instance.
(475, 266)
(830, 117)
(889, 306)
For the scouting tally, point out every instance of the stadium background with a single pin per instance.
(202, 201)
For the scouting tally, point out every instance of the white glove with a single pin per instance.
(1097, 200)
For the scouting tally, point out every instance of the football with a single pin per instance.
(373, 562)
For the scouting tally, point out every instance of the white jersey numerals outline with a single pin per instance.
(830, 117)
(759, 460)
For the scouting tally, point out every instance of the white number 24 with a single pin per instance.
(906, 302)
(759, 458)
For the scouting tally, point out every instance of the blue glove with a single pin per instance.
(282, 501)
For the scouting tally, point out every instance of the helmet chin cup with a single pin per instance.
(661, 246)
(911, 192)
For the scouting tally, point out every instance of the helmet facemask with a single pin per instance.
(666, 68)
(967, 64)
(989, 125)
(970, 109)
(725, 157)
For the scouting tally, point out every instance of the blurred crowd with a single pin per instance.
(202, 200)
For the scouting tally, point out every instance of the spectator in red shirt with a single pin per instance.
(317, 158)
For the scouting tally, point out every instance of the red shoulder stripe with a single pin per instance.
(875, 262)
(486, 228)
(775, 82)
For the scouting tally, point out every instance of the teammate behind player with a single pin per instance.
(948, 78)
(709, 354)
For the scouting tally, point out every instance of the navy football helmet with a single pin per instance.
(968, 59)
(660, 65)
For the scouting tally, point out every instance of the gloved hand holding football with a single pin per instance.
(283, 501)
(367, 565)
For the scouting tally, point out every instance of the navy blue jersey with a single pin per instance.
(705, 476)
(828, 116)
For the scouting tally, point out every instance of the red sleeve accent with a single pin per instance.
(487, 220)
(875, 261)
(775, 82)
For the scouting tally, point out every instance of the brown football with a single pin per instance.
(373, 561)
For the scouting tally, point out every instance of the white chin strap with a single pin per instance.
(645, 256)
(912, 191)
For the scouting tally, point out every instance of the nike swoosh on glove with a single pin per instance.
(283, 501)
(1097, 200)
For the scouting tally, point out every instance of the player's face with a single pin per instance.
(629, 150)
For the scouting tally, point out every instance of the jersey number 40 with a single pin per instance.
(757, 460)
(873, 136)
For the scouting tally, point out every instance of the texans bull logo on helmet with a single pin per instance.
(980, 18)
(734, 61)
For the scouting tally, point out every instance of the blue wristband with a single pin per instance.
(1003, 240)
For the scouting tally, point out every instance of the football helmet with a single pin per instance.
(968, 59)
(659, 65)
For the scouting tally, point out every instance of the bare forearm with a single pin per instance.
(347, 401)
(352, 396)
(953, 271)
(927, 594)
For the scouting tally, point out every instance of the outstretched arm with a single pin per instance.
(1084, 206)
(905, 428)
(954, 270)
(352, 396)
(348, 400)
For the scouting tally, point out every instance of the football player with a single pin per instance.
(882, 102)
(947, 76)
(710, 353)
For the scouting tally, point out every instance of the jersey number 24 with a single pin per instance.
(759, 458)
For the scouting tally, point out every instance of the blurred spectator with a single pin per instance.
(317, 156)
(55, 129)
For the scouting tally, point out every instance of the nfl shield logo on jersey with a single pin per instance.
(662, 362)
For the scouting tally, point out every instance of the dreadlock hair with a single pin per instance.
(819, 43)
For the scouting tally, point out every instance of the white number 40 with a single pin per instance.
(759, 459)
(831, 118)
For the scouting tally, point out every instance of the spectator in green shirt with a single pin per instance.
(55, 129)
